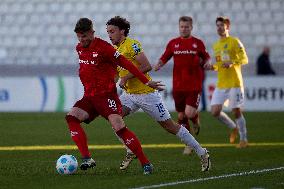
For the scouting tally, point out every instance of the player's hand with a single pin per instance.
(156, 85)
(227, 64)
(208, 66)
(157, 67)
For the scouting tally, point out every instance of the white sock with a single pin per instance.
(224, 118)
(241, 122)
(189, 140)
(127, 149)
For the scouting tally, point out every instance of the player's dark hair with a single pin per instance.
(223, 19)
(83, 25)
(121, 23)
(185, 19)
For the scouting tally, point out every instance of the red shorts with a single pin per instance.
(183, 98)
(100, 105)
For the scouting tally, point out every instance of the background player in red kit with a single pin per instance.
(189, 55)
(98, 62)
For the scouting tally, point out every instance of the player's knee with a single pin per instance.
(118, 126)
(78, 113)
(216, 110)
(190, 114)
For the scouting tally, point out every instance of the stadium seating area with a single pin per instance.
(40, 32)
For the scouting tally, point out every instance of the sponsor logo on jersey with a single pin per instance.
(116, 54)
(185, 52)
(225, 46)
(194, 45)
(176, 46)
(87, 62)
(136, 48)
(95, 54)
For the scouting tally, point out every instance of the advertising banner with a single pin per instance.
(51, 94)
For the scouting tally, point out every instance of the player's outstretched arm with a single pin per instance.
(144, 67)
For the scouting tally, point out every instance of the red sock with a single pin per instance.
(195, 119)
(78, 135)
(132, 142)
(185, 123)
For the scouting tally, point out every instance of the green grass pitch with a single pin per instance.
(22, 168)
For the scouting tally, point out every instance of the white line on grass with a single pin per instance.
(210, 178)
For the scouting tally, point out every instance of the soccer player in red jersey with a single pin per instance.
(98, 62)
(189, 54)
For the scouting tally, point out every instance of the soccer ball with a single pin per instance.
(66, 164)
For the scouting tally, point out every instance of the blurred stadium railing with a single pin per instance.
(36, 36)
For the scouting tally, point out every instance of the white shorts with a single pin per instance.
(150, 103)
(235, 96)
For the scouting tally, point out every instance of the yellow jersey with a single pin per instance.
(229, 49)
(130, 48)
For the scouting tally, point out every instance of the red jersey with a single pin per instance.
(98, 67)
(189, 56)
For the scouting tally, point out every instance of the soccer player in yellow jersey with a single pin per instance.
(137, 95)
(230, 55)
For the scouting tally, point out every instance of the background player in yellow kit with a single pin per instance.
(230, 55)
